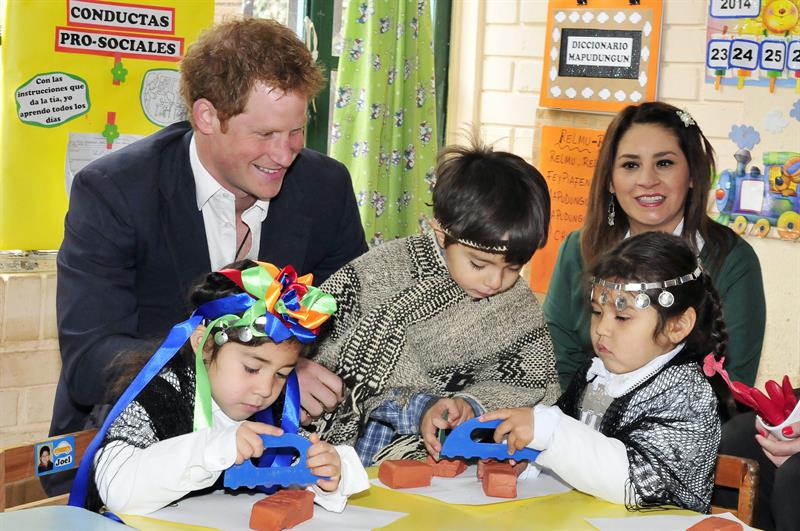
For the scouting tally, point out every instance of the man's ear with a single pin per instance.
(196, 337)
(204, 116)
(437, 231)
(680, 326)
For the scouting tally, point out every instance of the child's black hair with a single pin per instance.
(42, 450)
(212, 287)
(656, 257)
(492, 198)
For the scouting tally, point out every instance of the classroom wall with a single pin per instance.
(29, 357)
(496, 60)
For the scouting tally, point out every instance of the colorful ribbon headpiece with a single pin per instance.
(285, 305)
(777, 409)
(282, 305)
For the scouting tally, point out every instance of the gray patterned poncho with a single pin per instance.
(670, 427)
(404, 326)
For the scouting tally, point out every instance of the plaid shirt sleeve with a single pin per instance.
(390, 419)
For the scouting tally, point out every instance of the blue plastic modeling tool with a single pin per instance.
(459, 443)
(251, 476)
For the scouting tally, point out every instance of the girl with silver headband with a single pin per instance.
(638, 424)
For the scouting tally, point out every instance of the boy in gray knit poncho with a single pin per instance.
(436, 328)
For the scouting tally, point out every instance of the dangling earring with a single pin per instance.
(611, 212)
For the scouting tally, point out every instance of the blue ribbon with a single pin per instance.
(290, 423)
(177, 337)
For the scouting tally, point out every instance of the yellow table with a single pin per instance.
(558, 511)
(565, 511)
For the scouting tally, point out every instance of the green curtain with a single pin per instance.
(384, 120)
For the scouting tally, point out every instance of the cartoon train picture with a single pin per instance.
(765, 200)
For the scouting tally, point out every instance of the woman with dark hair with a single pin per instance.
(654, 173)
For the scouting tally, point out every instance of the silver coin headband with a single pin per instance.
(642, 299)
(476, 245)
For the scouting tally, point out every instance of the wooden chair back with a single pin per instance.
(741, 474)
(19, 484)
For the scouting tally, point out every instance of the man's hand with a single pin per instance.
(458, 411)
(248, 440)
(516, 428)
(320, 390)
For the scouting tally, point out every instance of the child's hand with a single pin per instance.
(248, 440)
(458, 411)
(323, 460)
(517, 427)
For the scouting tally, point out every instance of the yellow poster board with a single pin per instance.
(81, 78)
(567, 159)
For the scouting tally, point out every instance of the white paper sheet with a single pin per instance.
(465, 489)
(232, 513)
(83, 148)
(656, 522)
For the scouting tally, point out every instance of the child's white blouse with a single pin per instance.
(133, 480)
(567, 444)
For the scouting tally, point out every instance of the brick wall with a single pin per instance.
(29, 357)
(496, 59)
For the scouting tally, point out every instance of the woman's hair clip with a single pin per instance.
(686, 118)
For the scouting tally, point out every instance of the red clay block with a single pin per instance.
(282, 510)
(499, 482)
(447, 468)
(715, 523)
(493, 464)
(405, 473)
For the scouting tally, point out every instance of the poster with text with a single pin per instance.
(567, 158)
(81, 78)
(601, 56)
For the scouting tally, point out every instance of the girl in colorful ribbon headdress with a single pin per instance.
(201, 401)
(436, 328)
(638, 424)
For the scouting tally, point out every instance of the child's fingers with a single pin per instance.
(328, 485)
(324, 458)
(494, 415)
(512, 443)
(502, 431)
(441, 423)
(430, 439)
(264, 429)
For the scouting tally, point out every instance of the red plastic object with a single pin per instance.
(715, 523)
(447, 468)
(405, 473)
(282, 510)
(499, 482)
(774, 409)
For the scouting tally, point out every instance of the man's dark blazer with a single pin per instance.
(135, 243)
